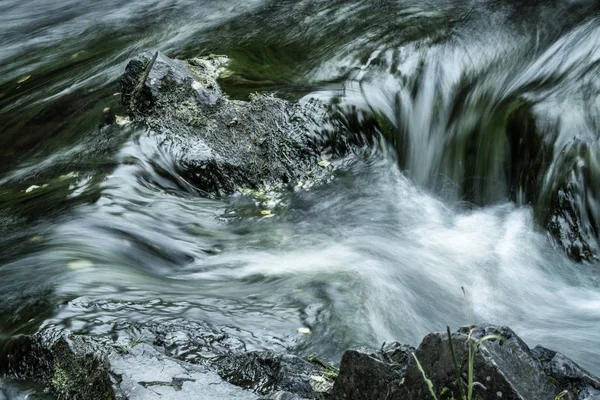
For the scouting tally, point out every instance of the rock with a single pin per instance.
(72, 366)
(221, 145)
(371, 375)
(567, 374)
(81, 367)
(589, 393)
(169, 360)
(157, 365)
(505, 370)
(265, 372)
(144, 373)
(282, 396)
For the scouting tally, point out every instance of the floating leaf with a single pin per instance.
(324, 163)
(300, 184)
(24, 79)
(79, 265)
(31, 188)
(304, 330)
(35, 239)
(76, 55)
(106, 109)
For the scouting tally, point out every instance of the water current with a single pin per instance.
(487, 121)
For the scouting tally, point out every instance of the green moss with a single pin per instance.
(78, 376)
(327, 370)
(198, 122)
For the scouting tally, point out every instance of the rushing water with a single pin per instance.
(95, 229)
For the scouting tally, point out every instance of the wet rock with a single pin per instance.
(364, 374)
(568, 375)
(221, 145)
(506, 370)
(72, 366)
(503, 369)
(144, 373)
(570, 194)
(266, 372)
(81, 367)
(170, 360)
(282, 396)
(157, 365)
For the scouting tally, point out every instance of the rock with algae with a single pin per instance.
(220, 145)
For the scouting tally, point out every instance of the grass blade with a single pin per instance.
(427, 380)
(456, 366)
(471, 362)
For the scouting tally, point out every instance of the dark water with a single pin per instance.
(94, 230)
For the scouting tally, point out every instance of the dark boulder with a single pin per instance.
(84, 367)
(266, 372)
(221, 145)
(169, 360)
(282, 396)
(157, 365)
(71, 366)
(567, 374)
(502, 369)
(375, 375)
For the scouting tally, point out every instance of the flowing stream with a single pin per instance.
(475, 113)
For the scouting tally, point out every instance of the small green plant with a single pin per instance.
(328, 370)
(124, 349)
(427, 380)
(472, 348)
(562, 395)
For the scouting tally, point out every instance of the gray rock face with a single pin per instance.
(145, 373)
(266, 372)
(376, 375)
(74, 367)
(282, 396)
(98, 368)
(157, 365)
(566, 373)
(221, 145)
(505, 369)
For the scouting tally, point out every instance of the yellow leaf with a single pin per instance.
(266, 212)
(300, 184)
(304, 330)
(23, 79)
(324, 163)
(31, 188)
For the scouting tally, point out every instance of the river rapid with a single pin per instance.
(94, 229)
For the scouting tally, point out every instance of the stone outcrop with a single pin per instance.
(222, 145)
(502, 369)
(84, 367)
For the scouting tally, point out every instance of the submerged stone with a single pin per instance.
(219, 145)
